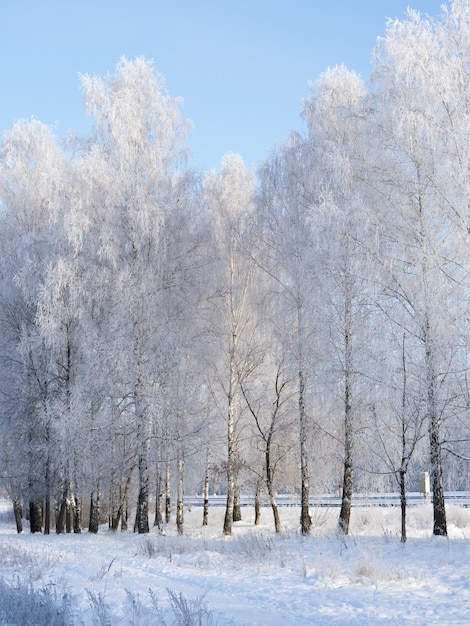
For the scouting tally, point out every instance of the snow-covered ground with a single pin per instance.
(251, 578)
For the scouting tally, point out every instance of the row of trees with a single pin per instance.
(164, 329)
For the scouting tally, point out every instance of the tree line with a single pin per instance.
(302, 328)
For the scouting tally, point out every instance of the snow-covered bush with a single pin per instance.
(22, 605)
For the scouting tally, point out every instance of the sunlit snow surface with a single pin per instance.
(257, 578)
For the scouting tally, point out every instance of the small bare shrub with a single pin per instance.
(253, 546)
(183, 611)
(458, 516)
(149, 547)
(190, 612)
(101, 611)
(421, 516)
(364, 569)
(321, 516)
(134, 610)
(373, 566)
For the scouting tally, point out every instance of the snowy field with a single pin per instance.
(251, 578)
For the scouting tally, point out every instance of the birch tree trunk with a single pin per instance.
(269, 461)
(18, 515)
(237, 509)
(205, 494)
(94, 521)
(47, 499)
(167, 492)
(429, 337)
(403, 504)
(77, 515)
(47, 514)
(61, 513)
(231, 440)
(272, 497)
(143, 440)
(180, 496)
(305, 519)
(119, 515)
(158, 522)
(348, 473)
(124, 515)
(142, 511)
(35, 516)
(404, 460)
(257, 505)
(439, 511)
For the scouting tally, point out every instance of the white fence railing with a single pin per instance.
(413, 498)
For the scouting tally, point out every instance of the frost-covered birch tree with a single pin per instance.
(285, 253)
(31, 188)
(134, 183)
(229, 196)
(336, 119)
(426, 267)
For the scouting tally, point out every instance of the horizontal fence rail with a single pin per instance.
(413, 498)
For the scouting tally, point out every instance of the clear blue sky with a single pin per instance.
(242, 66)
